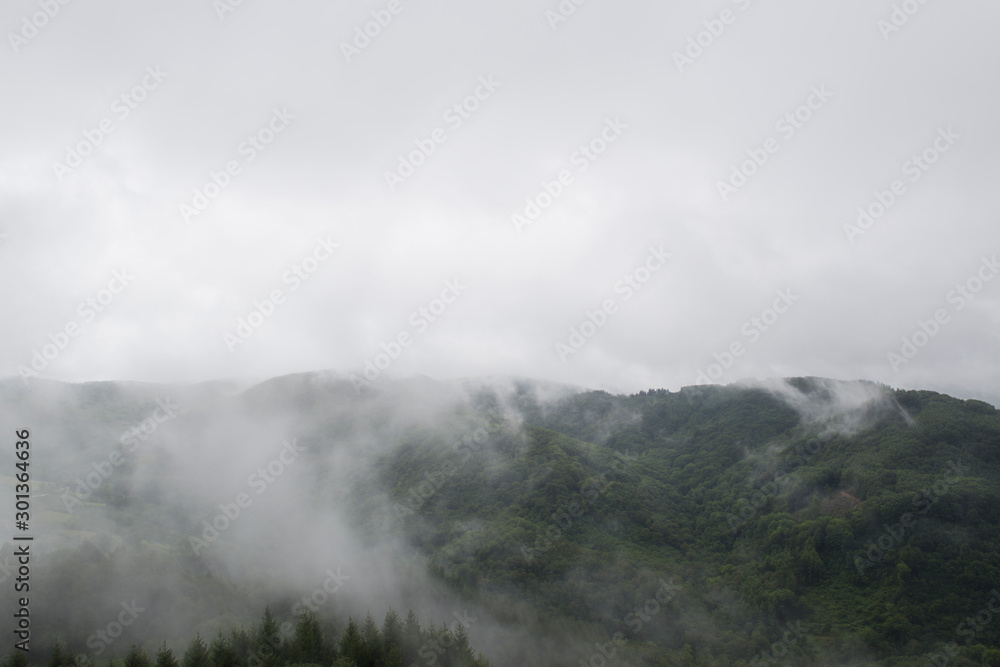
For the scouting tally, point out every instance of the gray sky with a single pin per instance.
(308, 117)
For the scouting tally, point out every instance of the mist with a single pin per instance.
(601, 332)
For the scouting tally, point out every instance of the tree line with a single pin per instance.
(397, 643)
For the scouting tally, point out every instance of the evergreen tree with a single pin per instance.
(351, 646)
(687, 656)
(392, 638)
(462, 651)
(136, 657)
(59, 658)
(222, 654)
(242, 643)
(165, 657)
(267, 641)
(197, 654)
(308, 644)
(371, 637)
(430, 640)
(446, 640)
(411, 638)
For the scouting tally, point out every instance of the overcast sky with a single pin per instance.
(728, 148)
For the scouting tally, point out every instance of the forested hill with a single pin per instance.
(806, 521)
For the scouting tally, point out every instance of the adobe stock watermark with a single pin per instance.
(753, 329)
(88, 310)
(164, 411)
(432, 650)
(915, 167)
(8, 568)
(121, 108)
(255, 144)
(420, 320)
(263, 653)
(259, 481)
(419, 493)
(778, 651)
(594, 321)
(321, 594)
(702, 41)
(634, 620)
(104, 637)
(562, 13)
(961, 295)
(31, 25)
(295, 275)
(455, 117)
(584, 156)
(748, 506)
(899, 17)
(892, 536)
(787, 126)
(267, 648)
(591, 489)
(224, 7)
(644, 613)
(370, 30)
(968, 628)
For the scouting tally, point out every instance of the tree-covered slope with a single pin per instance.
(873, 524)
(799, 522)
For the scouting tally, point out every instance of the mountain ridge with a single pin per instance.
(553, 513)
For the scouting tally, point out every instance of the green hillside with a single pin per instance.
(811, 522)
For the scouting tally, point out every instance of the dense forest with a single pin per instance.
(802, 522)
(398, 642)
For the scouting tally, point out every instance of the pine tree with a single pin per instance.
(446, 640)
(222, 654)
(308, 644)
(59, 658)
(371, 637)
(165, 657)
(687, 656)
(197, 654)
(242, 643)
(351, 646)
(267, 641)
(430, 638)
(411, 639)
(392, 639)
(136, 657)
(462, 651)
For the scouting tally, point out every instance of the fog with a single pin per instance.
(260, 489)
(305, 256)
(265, 262)
(282, 494)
